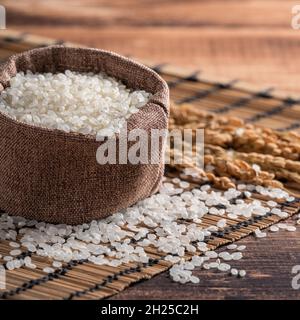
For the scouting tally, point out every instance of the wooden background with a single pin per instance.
(246, 39)
(249, 40)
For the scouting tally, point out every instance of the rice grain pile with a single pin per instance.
(87, 103)
(168, 221)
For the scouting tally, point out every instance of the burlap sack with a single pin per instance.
(53, 176)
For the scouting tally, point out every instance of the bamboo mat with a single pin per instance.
(83, 280)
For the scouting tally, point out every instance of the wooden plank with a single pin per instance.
(249, 40)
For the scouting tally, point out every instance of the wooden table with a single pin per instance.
(250, 40)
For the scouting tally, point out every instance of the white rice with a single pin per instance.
(72, 102)
(166, 221)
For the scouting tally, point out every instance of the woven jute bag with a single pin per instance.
(53, 176)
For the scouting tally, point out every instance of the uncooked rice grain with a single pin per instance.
(87, 103)
(242, 273)
(274, 228)
(232, 246)
(234, 272)
(291, 228)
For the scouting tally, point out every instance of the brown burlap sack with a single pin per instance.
(53, 176)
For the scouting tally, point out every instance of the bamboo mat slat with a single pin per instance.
(265, 107)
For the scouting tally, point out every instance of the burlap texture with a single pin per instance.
(53, 176)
